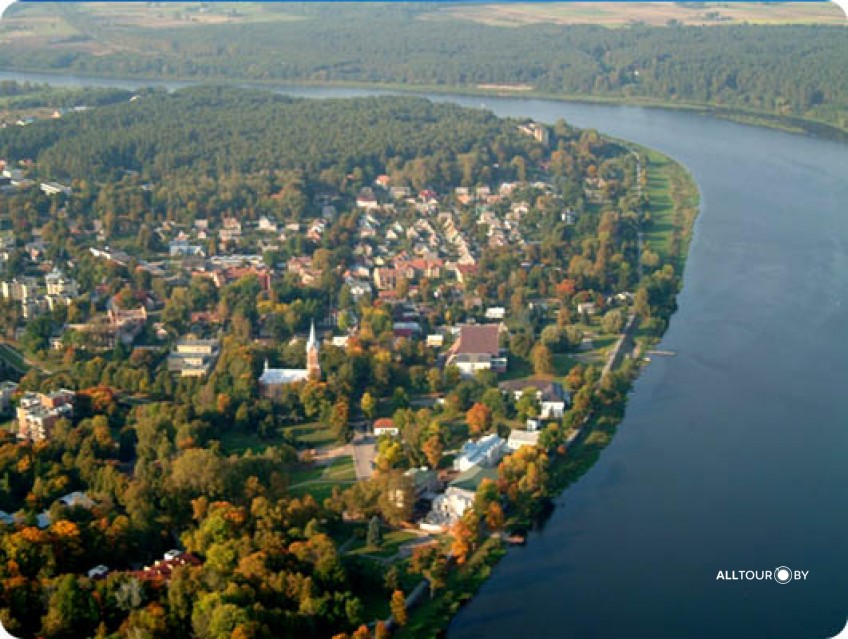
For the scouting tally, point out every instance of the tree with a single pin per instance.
(433, 449)
(400, 398)
(340, 419)
(479, 418)
(542, 360)
(375, 535)
(613, 321)
(527, 405)
(398, 607)
(368, 405)
(72, 612)
(495, 517)
(465, 533)
(493, 399)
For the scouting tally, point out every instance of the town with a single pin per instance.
(405, 366)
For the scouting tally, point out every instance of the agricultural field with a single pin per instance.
(619, 14)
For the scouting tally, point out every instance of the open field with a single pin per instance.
(619, 14)
(673, 204)
(102, 27)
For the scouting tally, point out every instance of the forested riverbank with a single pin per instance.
(739, 71)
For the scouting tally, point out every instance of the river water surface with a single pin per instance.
(733, 454)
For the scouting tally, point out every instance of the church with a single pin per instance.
(273, 380)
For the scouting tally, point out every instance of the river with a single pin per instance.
(733, 455)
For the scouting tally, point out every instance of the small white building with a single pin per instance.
(385, 426)
(519, 438)
(448, 508)
(98, 572)
(587, 308)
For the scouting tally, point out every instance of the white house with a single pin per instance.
(552, 397)
(519, 438)
(448, 508)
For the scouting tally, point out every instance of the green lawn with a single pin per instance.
(238, 442)
(674, 201)
(518, 369)
(392, 541)
(339, 470)
(563, 364)
(318, 481)
(319, 492)
(311, 435)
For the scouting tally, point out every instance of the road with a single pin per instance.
(364, 449)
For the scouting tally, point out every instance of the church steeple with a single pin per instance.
(313, 366)
(312, 343)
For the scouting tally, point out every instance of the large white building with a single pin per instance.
(486, 451)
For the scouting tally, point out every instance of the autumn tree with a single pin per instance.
(433, 449)
(368, 405)
(495, 517)
(398, 608)
(479, 418)
(340, 419)
(542, 360)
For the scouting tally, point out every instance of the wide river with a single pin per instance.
(733, 455)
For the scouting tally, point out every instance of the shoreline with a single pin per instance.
(432, 617)
(751, 117)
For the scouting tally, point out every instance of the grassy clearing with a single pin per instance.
(339, 470)
(238, 442)
(311, 435)
(563, 364)
(392, 541)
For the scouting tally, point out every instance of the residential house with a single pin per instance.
(518, 438)
(448, 508)
(553, 398)
(476, 349)
(385, 426)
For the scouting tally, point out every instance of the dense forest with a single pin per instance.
(215, 131)
(795, 71)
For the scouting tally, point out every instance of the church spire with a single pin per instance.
(313, 366)
(312, 343)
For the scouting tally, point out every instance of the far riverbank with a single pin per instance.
(786, 123)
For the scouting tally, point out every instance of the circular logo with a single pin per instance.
(782, 575)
